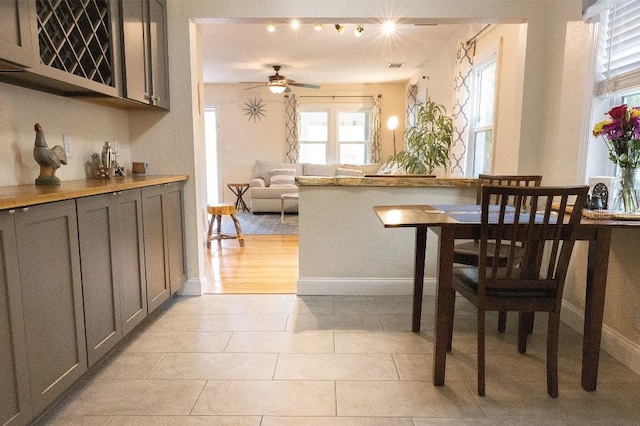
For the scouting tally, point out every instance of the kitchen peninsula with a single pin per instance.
(82, 264)
(345, 250)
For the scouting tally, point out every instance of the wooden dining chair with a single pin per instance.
(467, 253)
(532, 277)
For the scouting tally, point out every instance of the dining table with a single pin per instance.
(455, 222)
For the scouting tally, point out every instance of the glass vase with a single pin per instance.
(625, 190)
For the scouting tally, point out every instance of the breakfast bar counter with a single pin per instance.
(342, 247)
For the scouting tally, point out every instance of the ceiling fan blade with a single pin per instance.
(253, 87)
(287, 90)
(308, 86)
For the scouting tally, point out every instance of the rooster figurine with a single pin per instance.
(49, 159)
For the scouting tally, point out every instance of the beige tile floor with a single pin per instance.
(288, 360)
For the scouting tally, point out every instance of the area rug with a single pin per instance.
(257, 224)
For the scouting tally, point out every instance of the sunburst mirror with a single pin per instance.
(255, 109)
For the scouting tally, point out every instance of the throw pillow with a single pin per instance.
(283, 177)
(348, 172)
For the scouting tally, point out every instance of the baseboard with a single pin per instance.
(349, 286)
(613, 343)
(193, 287)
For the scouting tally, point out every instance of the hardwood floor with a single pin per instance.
(266, 264)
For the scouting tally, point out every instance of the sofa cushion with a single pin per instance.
(283, 177)
(340, 171)
(262, 169)
(310, 169)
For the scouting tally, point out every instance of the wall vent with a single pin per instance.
(394, 65)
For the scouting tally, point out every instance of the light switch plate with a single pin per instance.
(68, 146)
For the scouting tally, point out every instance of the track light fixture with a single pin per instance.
(339, 28)
(358, 31)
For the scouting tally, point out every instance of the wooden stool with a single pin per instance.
(216, 211)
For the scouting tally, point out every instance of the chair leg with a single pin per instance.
(524, 329)
(209, 233)
(481, 365)
(502, 321)
(219, 224)
(238, 229)
(553, 332)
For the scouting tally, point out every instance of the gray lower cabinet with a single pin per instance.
(110, 235)
(174, 214)
(163, 241)
(15, 402)
(51, 291)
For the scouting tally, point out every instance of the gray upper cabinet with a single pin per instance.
(78, 45)
(110, 234)
(145, 51)
(15, 402)
(15, 35)
(48, 252)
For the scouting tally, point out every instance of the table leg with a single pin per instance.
(243, 205)
(445, 304)
(418, 276)
(281, 209)
(597, 267)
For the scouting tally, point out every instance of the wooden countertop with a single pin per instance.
(387, 180)
(28, 195)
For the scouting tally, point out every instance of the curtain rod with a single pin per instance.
(472, 39)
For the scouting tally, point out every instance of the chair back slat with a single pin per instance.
(539, 237)
(506, 180)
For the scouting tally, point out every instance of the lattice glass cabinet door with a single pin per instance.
(76, 36)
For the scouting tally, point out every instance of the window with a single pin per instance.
(337, 133)
(617, 74)
(481, 135)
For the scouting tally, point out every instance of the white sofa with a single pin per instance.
(265, 196)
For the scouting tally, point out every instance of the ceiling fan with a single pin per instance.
(279, 83)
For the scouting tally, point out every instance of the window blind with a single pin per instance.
(618, 65)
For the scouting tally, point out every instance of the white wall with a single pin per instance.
(89, 126)
(242, 140)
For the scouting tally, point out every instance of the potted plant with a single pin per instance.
(428, 141)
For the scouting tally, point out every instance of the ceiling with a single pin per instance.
(245, 52)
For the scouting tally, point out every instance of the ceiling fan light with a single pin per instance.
(271, 28)
(339, 28)
(358, 31)
(277, 89)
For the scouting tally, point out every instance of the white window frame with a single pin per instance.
(333, 144)
(610, 89)
(473, 129)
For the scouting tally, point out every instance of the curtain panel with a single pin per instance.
(375, 151)
(292, 110)
(461, 106)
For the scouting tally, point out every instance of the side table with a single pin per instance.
(288, 196)
(239, 190)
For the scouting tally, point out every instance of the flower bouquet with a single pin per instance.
(621, 133)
